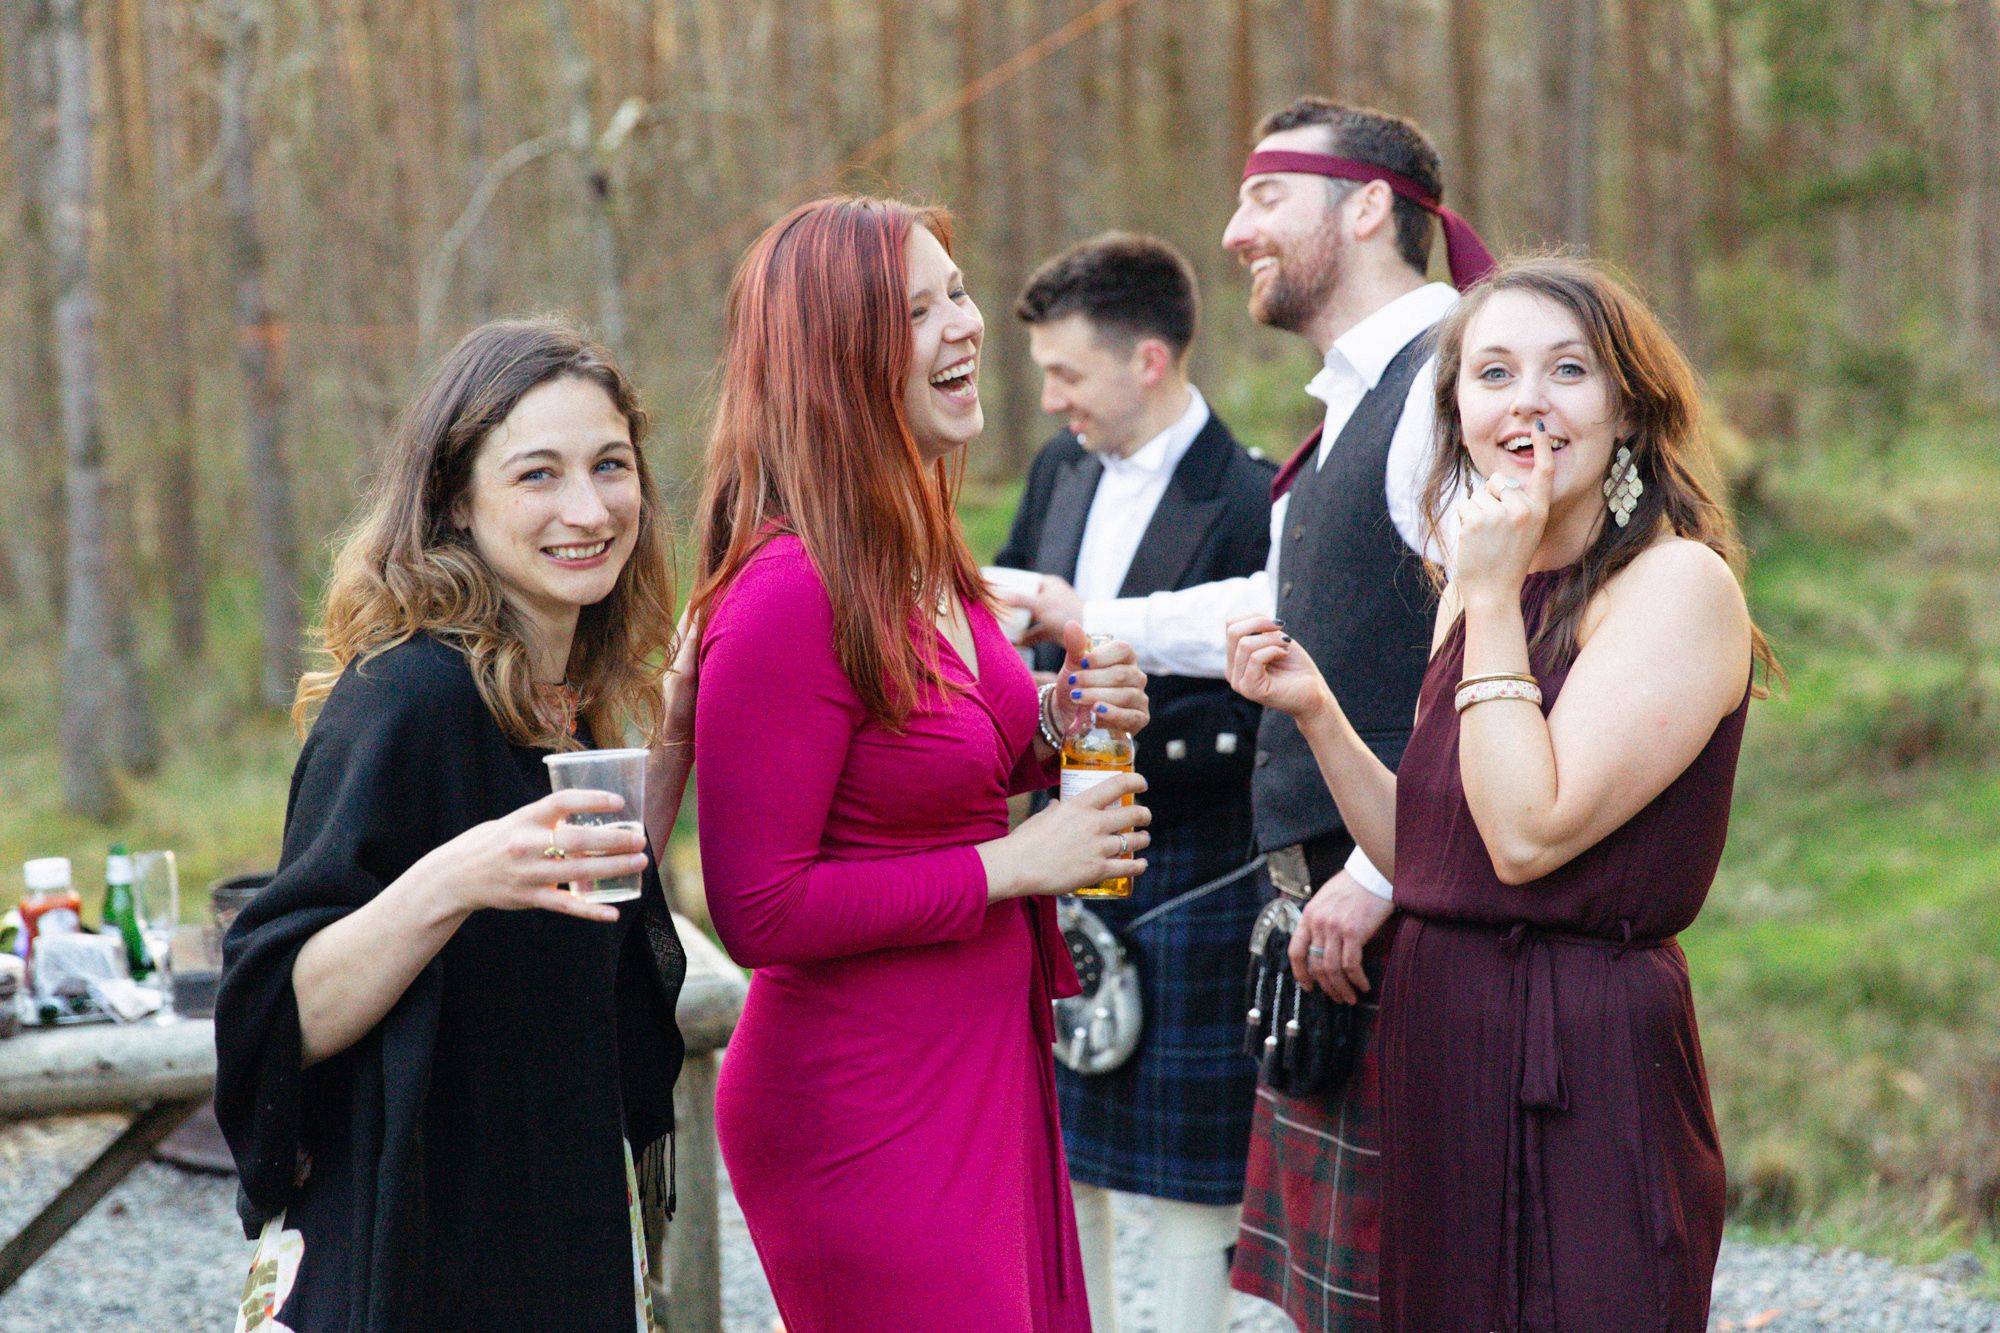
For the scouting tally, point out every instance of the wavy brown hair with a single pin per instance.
(405, 568)
(812, 437)
(1655, 391)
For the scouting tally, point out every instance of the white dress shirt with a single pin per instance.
(1127, 494)
(1182, 633)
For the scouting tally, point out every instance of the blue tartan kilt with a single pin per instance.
(1173, 1122)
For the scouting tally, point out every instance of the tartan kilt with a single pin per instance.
(1312, 1205)
(1173, 1122)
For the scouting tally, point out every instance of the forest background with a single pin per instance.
(233, 232)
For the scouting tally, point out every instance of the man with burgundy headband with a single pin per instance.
(1334, 222)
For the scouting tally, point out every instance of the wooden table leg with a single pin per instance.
(132, 1146)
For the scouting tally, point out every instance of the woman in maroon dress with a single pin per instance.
(1550, 1157)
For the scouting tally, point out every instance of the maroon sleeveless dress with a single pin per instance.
(1550, 1156)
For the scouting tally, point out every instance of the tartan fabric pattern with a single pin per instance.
(1173, 1122)
(1312, 1204)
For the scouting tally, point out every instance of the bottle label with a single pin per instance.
(117, 870)
(1077, 781)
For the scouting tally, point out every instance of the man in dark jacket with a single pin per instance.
(1146, 491)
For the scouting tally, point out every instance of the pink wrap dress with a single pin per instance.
(887, 1106)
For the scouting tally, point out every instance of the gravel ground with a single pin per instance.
(163, 1253)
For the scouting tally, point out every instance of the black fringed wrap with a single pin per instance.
(403, 758)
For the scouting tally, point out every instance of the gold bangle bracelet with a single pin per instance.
(1496, 675)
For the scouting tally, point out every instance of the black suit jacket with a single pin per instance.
(1213, 522)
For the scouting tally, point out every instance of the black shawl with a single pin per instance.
(404, 757)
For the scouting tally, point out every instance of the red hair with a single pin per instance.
(812, 437)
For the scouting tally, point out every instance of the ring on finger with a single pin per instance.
(1124, 846)
(554, 853)
(1314, 951)
(1510, 483)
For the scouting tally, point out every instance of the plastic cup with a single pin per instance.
(620, 771)
(1014, 620)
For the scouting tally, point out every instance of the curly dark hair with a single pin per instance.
(1379, 139)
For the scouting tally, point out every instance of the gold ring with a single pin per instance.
(553, 853)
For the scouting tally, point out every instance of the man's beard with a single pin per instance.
(1306, 280)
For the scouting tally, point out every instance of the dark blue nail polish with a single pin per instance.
(1539, 425)
(1076, 694)
(1085, 663)
(1279, 623)
(1072, 679)
(1103, 708)
(1285, 638)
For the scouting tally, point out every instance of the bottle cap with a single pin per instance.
(45, 873)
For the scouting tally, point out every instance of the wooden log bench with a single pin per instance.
(163, 1072)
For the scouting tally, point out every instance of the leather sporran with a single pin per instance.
(1304, 1044)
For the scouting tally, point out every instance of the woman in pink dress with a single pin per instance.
(887, 1109)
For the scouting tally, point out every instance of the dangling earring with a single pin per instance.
(1622, 488)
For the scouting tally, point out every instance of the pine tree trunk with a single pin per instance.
(103, 697)
(33, 518)
(1579, 147)
(972, 118)
(1242, 83)
(1325, 61)
(1641, 242)
(1465, 181)
(888, 94)
(176, 496)
(594, 180)
(257, 344)
(1004, 338)
(1979, 184)
(480, 264)
(1725, 169)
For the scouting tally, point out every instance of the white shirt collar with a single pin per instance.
(1365, 351)
(1163, 453)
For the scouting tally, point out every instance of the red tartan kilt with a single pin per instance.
(1312, 1203)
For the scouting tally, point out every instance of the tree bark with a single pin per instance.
(972, 117)
(34, 523)
(1242, 83)
(100, 678)
(480, 264)
(258, 345)
(594, 178)
(176, 496)
(1017, 396)
(1979, 184)
(1641, 90)
(1725, 151)
(1465, 182)
(1325, 63)
(1579, 149)
(888, 93)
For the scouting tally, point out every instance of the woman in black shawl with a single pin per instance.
(434, 1099)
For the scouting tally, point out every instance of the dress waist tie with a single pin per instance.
(1527, 1279)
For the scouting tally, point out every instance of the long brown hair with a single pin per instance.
(405, 568)
(1658, 395)
(812, 437)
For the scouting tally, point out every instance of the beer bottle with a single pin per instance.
(121, 910)
(1088, 759)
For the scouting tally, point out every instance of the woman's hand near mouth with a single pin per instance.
(1500, 527)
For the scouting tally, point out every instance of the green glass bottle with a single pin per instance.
(121, 910)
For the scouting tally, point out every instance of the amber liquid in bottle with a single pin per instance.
(1087, 760)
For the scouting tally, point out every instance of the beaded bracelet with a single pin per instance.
(1045, 721)
(1481, 690)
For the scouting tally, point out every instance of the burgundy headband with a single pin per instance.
(1466, 254)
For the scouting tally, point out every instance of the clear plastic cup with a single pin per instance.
(620, 771)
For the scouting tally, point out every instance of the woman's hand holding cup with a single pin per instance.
(522, 860)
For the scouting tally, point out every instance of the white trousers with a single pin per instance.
(1189, 1265)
